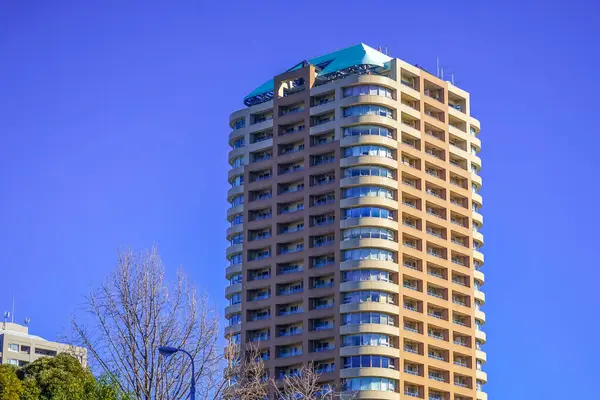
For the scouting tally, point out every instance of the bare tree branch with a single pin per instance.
(133, 313)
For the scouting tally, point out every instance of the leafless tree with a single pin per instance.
(306, 385)
(247, 373)
(134, 312)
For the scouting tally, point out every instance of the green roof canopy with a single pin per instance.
(356, 55)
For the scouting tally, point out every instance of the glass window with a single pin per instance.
(360, 130)
(235, 319)
(237, 181)
(366, 275)
(239, 142)
(235, 278)
(368, 212)
(368, 109)
(370, 383)
(237, 200)
(367, 296)
(373, 90)
(368, 191)
(367, 318)
(235, 259)
(368, 170)
(236, 298)
(237, 239)
(368, 150)
(13, 347)
(368, 232)
(237, 162)
(367, 253)
(239, 123)
(238, 219)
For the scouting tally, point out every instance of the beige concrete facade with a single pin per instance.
(313, 278)
(19, 348)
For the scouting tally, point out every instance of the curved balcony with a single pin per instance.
(370, 306)
(378, 372)
(480, 375)
(480, 315)
(481, 355)
(481, 395)
(369, 139)
(233, 249)
(369, 120)
(354, 80)
(475, 159)
(478, 275)
(231, 211)
(369, 201)
(371, 395)
(369, 264)
(369, 160)
(477, 217)
(232, 230)
(234, 153)
(477, 198)
(479, 295)
(371, 328)
(479, 334)
(369, 180)
(237, 133)
(389, 287)
(369, 221)
(231, 289)
(364, 350)
(478, 236)
(230, 330)
(233, 269)
(475, 122)
(475, 141)
(233, 172)
(477, 255)
(476, 179)
(378, 243)
(363, 99)
(232, 309)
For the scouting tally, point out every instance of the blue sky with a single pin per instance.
(113, 132)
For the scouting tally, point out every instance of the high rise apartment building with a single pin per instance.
(354, 228)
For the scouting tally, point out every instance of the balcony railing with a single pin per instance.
(434, 315)
(411, 350)
(291, 353)
(436, 336)
(436, 357)
(436, 378)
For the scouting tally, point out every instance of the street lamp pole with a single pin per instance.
(169, 351)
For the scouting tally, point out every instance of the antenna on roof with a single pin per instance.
(437, 64)
(379, 48)
(27, 320)
(442, 72)
(13, 309)
(386, 51)
(452, 76)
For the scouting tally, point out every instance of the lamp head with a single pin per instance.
(167, 350)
